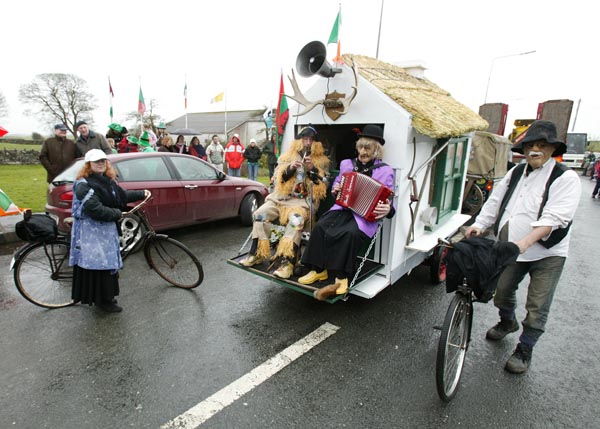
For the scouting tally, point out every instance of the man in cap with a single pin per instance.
(89, 140)
(161, 132)
(57, 152)
(304, 162)
(533, 206)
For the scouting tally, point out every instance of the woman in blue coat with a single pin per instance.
(98, 204)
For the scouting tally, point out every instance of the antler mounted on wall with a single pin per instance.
(335, 103)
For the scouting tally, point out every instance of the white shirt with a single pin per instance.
(522, 209)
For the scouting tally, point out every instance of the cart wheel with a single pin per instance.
(473, 201)
(437, 269)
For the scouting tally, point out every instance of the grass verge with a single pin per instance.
(25, 185)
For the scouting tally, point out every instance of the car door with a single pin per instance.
(207, 196)
(167, 207)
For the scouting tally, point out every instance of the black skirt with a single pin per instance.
(94, 286)
(334, 243)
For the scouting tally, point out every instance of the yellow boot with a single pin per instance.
(342, 286)
(312, 277)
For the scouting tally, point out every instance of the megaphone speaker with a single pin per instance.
(311, 60)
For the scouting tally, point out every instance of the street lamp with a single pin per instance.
(492, 68)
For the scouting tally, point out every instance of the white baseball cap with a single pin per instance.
(94, 155)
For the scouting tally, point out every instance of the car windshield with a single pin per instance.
(68, 176)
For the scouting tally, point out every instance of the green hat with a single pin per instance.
(161, 125)
(116, 127)
(144, 140)
(133, 139)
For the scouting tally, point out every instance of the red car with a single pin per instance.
(185, 190)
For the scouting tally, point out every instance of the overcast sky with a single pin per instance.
(242, 46)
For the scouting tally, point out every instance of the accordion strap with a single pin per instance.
(367, 170)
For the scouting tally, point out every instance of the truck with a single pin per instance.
(576, 144)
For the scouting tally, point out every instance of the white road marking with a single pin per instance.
(201, 412)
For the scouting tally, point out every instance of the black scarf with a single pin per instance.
(366, 169)
(107, 190)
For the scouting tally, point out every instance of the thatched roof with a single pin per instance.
(435, 113)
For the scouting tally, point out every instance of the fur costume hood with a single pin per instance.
(320, 161)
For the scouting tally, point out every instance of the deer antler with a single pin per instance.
(347, 100)
(299, 97)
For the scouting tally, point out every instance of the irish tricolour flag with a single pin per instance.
(7, 207)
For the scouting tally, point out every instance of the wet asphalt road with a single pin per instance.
(170, 349)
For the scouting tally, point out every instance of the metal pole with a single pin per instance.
(379, 33)
(492, 68)
(576, 113)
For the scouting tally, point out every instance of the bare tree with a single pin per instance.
(3, 106)
(58, 97)
(150, 118)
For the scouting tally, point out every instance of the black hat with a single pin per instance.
(80, 123)
(541, 130)
(374, 132)
(308, 131)
(61, 127)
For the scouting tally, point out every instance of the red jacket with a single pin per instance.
(234, 154)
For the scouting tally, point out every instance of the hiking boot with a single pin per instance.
(285, 270)
(312, 277)
(502, 329)
(251, 261)
(519, 362)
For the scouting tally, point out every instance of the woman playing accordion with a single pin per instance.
(340, 233)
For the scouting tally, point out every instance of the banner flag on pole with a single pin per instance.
(141, 102)
(218, 98)
(282, 115)
(334, 37)
(7, 207)
(112, 94)
(185, 95)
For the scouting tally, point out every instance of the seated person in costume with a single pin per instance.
(304, 162)
(340, 233)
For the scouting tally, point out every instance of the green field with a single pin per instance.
(11, 146)
(25, 185)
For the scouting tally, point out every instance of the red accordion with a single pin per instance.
(361, 193)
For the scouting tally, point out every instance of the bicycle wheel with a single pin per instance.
(43, 276)
(174, 262)
(453, 346)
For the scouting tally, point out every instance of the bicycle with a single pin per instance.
(43, 276)
(455, 338)
(473, 283)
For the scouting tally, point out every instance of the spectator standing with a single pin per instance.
(168, 145)
(115, 132)
(518, 211)
(57, 152)
(234, 156)
(197, 149)
(269, 149)
(111, 143)
(596, 174)
(88, 139)
(144, 143)
(252, 154)
(215, 153)
(161, 133)
(180, 145)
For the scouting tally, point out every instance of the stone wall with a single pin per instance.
(16, 156)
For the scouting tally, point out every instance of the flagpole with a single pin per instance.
(225, 114)
(185, 95)
(141, 113)
(379, 33)
(110, 94)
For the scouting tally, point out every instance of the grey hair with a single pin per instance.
(368, 141)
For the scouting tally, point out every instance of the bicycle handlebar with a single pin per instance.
(139, 206)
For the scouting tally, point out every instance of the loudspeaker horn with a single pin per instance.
(311, 60)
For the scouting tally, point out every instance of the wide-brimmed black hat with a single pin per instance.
(374, 132)
(541, 130)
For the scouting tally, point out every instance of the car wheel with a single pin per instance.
(131, 233)
(247, 209)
